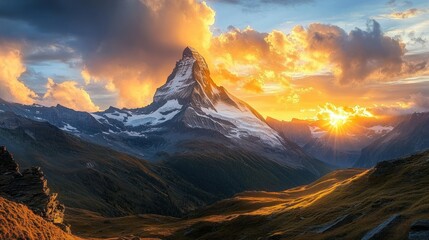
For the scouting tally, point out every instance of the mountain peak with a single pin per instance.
(189, 77)
(189, 52)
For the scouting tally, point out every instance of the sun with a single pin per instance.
(337, 120)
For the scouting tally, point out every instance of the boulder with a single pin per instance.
(419, 230)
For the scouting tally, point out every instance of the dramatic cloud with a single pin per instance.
(130, 45)
(138, 58)
(359, 54)
(11, 68)
(251, 58)
(12, 89)
(69, 95)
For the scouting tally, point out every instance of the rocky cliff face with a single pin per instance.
(30, 188)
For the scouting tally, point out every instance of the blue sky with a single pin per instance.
(346, 14)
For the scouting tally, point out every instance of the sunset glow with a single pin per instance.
(337, 116)
(285, 69)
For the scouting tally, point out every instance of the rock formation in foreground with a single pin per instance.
(30, 188)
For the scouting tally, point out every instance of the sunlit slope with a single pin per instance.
(17, 221)
(345, 204)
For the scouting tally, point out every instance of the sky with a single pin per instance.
(286, 58)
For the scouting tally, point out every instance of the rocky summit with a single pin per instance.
(29, 187)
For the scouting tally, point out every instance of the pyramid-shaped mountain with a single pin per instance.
(190, 107)
(189, 113)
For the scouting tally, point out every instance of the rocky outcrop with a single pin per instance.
(30, 188)
(383, 228)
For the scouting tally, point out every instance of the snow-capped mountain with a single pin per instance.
(189, 107)
(191, 103)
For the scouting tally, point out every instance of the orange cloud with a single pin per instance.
(340, 65)
(412, 12)
(14, 90)
(11, 68)
(248, 60)
(69, 95)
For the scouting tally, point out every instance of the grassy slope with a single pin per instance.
(17, 221)
(370, 196)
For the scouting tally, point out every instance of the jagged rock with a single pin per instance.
(7, 164)
(377, 232)
(419, 230)
(30, 188)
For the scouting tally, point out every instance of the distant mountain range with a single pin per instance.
(363, 141)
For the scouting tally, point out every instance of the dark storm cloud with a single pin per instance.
(41, 22)
(94, 28)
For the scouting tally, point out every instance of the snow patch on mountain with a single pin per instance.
(118, 116)
(380, 129)
(134, 134)
(69, 128)
(246, 123)
(164, 113)
(99, 118)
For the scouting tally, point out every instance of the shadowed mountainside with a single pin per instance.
(102, 180)
(410, 136)
(96, 178)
